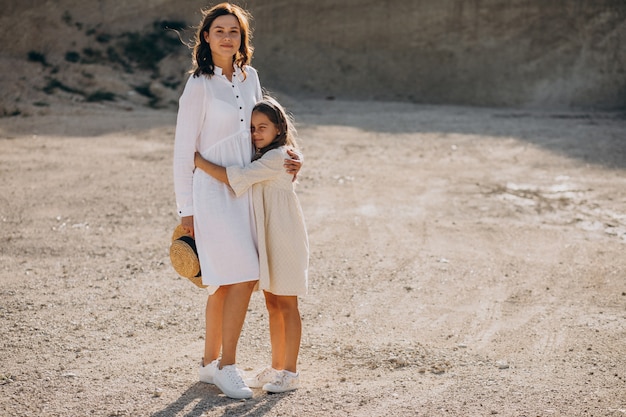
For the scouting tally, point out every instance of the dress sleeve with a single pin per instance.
(268, 167)
(188, 127)
(258, 91)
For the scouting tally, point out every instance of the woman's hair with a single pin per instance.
(282, 120)
(202, 58)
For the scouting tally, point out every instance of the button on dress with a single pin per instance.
(282, 236)
(214, 118)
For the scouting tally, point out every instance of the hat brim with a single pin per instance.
(184, 257)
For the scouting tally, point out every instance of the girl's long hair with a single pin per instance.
(282, 120)
(201, 56)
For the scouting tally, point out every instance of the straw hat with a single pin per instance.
(184, 256)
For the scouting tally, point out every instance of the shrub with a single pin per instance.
(100, 96)
(147, 49)
(170, 24)
(145, 91)
(103, 37)
(116, 58)
(171, 83)
(54, 84)
(67, 18)
(10, 113)
(92, 56)
(35, 56)
(72, 56)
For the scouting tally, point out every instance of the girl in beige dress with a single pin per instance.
(282, 237)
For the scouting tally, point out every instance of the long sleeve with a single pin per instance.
(259, 91)
(266, 168)
(189, 122)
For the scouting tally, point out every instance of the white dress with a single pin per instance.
(214, 118)
(283, 240)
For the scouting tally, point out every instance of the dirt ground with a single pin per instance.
(464, 262)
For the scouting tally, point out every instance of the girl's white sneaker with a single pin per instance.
(285, 381)
(262, 377)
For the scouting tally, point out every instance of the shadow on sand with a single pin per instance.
(593, 137)
(200, 398)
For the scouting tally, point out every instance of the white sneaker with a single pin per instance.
(262, 377)
(285, 381)
(229, 380)
(207, 373)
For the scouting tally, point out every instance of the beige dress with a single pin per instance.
(282, 237)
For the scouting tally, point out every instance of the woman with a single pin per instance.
(214, 119)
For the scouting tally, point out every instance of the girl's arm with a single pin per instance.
(216, 171)
(292, 166)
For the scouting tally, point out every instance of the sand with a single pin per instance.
(464, 262)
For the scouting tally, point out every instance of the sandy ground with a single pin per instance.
(464, 262)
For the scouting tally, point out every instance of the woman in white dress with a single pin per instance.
(282, 237)
(214, 119)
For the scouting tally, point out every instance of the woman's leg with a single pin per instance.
(234, 311)
(293, 330)
(213, 326)
(277, 330)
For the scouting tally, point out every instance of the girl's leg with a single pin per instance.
(213, 326)
(293, 330)
(277, 330)
(234, 310)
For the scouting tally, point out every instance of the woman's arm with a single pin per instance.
(188, 127)
(216, 171)
(187, 223)
(293, 165)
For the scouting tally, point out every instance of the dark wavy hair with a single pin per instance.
(202, 58)
(282, 120)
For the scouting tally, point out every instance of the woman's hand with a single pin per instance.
(197, 159)
(187, 223)
(293, 165)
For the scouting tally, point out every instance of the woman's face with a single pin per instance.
(262, 129)
(224, 38)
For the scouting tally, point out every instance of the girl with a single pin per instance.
(214, 119)
(282, 237)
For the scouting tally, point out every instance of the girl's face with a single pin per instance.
(262, 129)
(224, 37)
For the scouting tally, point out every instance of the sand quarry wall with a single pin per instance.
(521, 53)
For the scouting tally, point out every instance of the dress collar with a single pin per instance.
(237, 71)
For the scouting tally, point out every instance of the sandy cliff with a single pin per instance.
(521, 53)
